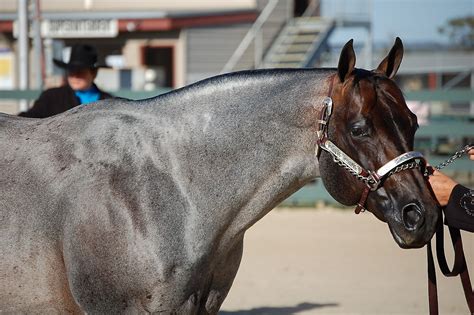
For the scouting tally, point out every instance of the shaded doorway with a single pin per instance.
(160, 63)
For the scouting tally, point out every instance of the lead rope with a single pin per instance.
(459, 265)
(455, 156)
(459, 268)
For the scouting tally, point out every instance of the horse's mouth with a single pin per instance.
(403, 243)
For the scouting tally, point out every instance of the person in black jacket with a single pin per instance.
(81, 71)
(458, 200)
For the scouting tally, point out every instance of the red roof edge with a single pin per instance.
(173, 23)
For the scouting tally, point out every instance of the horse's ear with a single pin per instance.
(389, 66)
(346, 61)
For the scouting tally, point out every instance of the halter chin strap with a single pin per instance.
(372, 179)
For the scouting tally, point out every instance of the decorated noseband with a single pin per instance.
(372, 179)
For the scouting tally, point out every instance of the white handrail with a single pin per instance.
(250, 36)
(311, 9)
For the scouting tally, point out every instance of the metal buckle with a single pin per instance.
(328, 103)
(323, 123)
(377, 180)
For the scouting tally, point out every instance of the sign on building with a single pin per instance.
(86, 28)
(79, 28)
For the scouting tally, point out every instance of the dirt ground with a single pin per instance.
(332, 261)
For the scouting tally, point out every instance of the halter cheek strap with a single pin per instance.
(360, 207)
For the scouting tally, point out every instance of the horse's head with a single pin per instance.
(371, 123)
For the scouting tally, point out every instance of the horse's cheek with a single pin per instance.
(336, 182)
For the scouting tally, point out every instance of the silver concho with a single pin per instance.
(467, 202)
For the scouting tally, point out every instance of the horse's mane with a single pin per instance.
(240, 79)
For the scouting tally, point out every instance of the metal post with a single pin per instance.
(23, 50)
(471, 110)
(370, 40)
(38, 45)
(48, 56)
(258, 49)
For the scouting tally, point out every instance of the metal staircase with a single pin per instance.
(299, 44)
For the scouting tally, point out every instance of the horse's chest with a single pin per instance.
(186, 284)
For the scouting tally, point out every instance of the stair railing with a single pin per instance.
(252, 34)
(311, 9)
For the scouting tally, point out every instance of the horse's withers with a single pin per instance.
(372, 124)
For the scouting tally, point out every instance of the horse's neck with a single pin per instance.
(240, 150)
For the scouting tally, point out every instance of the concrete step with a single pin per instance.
(287, 57)
(283, 65)
(293, 48)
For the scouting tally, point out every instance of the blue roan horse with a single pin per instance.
(141, 206)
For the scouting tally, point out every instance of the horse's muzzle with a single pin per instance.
(413, 224)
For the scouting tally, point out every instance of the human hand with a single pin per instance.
(471, 154)
(443, 185)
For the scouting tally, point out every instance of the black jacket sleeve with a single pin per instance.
(459, 212)
(56, 100)
(52, 102)
(40, 108)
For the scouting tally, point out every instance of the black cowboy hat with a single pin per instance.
(82, 56)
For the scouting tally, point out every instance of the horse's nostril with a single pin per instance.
(412, 216)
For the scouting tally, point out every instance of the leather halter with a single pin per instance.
(372, 179)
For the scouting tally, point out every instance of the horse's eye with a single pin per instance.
(360, 131)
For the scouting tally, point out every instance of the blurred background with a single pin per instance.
(153, 46)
